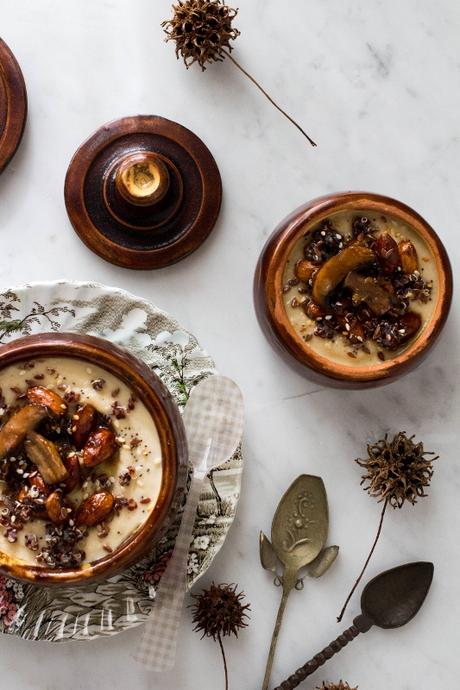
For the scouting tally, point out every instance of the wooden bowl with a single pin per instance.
(148, 388)
(13, 105)
(271, 313)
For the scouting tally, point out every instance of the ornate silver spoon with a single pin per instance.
(299, 532)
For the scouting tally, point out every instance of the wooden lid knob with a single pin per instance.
(142, 178)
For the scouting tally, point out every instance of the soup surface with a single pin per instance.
(359, 288)
(80, 462)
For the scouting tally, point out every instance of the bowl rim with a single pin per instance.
(269, 281)
(152, 392)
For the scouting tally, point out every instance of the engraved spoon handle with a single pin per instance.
(289, 580)
(361, 624)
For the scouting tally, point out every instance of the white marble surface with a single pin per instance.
(377, 84)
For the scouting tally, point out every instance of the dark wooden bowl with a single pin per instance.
(274, 321)
(148, 388)
(13, 105)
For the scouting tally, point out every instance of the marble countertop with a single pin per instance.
(376, 84)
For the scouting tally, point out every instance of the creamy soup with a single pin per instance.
(344, 335)
(107, 446)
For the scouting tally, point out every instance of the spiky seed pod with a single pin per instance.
(397, 470)
(336, 686)
(219, 611)
(201, 29)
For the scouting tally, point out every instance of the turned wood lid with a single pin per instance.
(143, 192)
(13, 105)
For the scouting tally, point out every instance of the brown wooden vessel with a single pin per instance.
(148, 388)
(268, 297)
(143, 192)
(13, 105)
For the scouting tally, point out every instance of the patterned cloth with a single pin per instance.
(213, 419)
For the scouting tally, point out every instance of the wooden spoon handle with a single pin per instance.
(360, 624)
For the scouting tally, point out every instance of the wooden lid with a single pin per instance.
(143, 192)
(13, 105)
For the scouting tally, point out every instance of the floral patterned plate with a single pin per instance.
(107, 608)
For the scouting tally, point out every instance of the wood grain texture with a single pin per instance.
(268, 299)
(13, 105)
(149, 389)
(137, 236)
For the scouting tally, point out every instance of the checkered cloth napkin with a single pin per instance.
(213, 419)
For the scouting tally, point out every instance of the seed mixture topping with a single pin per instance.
(360, 287)
(56, 455)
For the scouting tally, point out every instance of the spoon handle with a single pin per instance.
(161, 631)
(361, 624)
(173, 583)
(289, 581)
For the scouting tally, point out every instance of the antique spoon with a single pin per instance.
(213, 419)
(390, 600)
(299, 532)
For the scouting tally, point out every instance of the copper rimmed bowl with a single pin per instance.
(272, 315)
(147, 388)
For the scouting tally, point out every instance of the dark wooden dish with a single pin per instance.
(149, 389)
(143, 192)
(13, 105)
(272, 315)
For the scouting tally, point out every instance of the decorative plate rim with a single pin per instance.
(137, 577)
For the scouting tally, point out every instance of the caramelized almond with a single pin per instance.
(99, 447)
(72, 466)
(313, 311)
(38, 482)
(23, 494)
(304, 270)
(82, 426)
(408, 255)
(18, 426)
(387, 253)
(95, 509)
(356, 331)
(410, 324)
(37, 395)
(55, 508)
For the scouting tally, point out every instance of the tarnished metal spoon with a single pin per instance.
(390, 600)
(298, 538)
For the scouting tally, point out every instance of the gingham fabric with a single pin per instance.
(213, 419)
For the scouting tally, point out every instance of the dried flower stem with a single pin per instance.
(256, 83)
(219, 639)
(379, 531)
